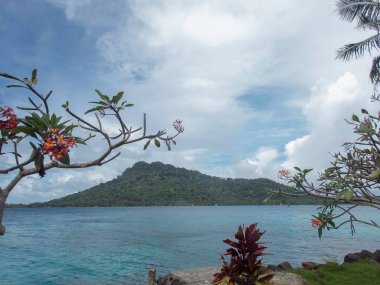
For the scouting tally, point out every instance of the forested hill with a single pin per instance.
(163, 184)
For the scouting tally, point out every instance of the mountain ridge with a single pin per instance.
(158, 184)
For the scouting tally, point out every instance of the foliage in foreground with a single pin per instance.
(358, 273)
(353, 178)
(38, 133)
(244, 266)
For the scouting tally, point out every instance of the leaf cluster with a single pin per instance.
(244, 266)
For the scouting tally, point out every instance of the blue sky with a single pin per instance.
(256, 84)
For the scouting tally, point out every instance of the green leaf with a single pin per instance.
(117, 97)
(98, 108)
(79, 140)
(99, 93)
(103, 96)
(374, 175)
(307, 170)
(298, 169)
(46, 121)
(53, 121)
(26, 130)
(355, 118)
(364, 111)
(345, 195)
(146, 144)
(65, 159)
(34, 76)
(157, 142)
(320, 232)
(99, 103)
(63, 124)
(15, 86)
(65, 105)
(128, 105)
(68, 130)
(34, 121)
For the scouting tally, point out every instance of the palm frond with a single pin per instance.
(374, 75)
(351, 9)
(364, 23)
(357, 50)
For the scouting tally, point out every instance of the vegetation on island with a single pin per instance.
(39, 134)
(158, 184)
(353, 178)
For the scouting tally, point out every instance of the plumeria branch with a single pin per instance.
(54, 138)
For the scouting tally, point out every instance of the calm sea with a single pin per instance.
(119, 245)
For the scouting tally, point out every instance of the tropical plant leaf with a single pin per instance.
(374, 175)
(65, 159)
(350, 10)
(146, 144)
(117, 97)
(355, 118)
(15, 86)
(358, 49)
(98, 108)
(374, 74)
(346, 194)
(34, 76)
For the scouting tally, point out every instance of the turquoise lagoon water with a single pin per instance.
(119, 245)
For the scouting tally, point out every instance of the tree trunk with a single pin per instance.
(2, 207)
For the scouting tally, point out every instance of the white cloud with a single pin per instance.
(325, 110)
(328, 106)
(261, 164)
(194, 60)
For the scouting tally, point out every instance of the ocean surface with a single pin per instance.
(119, 245)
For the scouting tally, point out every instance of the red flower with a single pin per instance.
(57, 145)
(316, 223)
(8, 119)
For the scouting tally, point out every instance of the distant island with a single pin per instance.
(158, 184)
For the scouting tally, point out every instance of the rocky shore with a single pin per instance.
(282, 276)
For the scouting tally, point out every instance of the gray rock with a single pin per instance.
(198, 276)
(273, 267)
(309, 265)
(171, 279)
(364, 254)
(376, 255)
(352, 257)
(204, 276)
(285, 266)
(287, 278)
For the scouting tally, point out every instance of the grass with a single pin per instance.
(366, 272)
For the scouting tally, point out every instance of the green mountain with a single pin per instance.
(160, 184)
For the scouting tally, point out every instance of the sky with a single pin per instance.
(256, 83)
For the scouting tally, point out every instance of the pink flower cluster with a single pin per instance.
(177, 124)
(283, 172)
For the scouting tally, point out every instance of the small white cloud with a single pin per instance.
(261, 164)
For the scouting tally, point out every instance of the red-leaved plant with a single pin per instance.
(244, 266)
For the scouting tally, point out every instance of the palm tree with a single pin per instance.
(367, 16)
